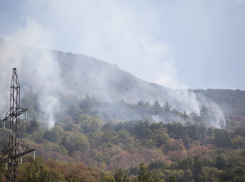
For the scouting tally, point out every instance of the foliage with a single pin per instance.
(89, 133)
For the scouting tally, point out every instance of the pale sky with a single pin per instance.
(176, 43)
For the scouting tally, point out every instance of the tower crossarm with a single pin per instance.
(15, 112)
(16, 156)
(4, 155)
(7, 116)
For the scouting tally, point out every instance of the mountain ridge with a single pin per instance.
(78, 74)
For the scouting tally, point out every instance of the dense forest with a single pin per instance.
(91, 121)
(93, 143)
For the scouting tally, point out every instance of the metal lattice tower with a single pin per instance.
(15, 149)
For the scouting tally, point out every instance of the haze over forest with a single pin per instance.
(126, 91)
(53, 74)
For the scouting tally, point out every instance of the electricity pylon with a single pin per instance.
(14, 150)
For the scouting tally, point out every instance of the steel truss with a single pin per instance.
(15, 149)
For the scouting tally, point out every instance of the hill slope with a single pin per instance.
(232, 102)
(53, 73)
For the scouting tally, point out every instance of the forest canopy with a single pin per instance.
(93, 140)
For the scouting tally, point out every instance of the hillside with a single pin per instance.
(54, 73)
(92, 76)
(103, 124)
(232, 102)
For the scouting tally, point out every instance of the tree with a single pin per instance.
(78, 142)
(185, 116)
(167, 107)
(156, 108)
(55, 134)
(120, 176)
(146, 176)
(197, 168)
(33, 126)
(172, 178)
(65, 141)
(91, 124)
(210, 174)
(220, 178)
(194, 116)
(220, 162)
(204, 112)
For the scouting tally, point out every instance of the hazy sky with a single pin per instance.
(176, 43)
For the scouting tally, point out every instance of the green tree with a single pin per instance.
(55, 134)
(78, 142)
(156, 108)
(220, 162)
(172, 178)
(91, 124)
(146, 176)
(167, 107)
(33, 126)
(197, 168)
(120, 176)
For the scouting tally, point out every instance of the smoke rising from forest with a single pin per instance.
(45, 75)
(35, 67)
(186, 100)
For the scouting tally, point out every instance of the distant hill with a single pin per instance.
(88, 75)
(56, 72)
(232, 102)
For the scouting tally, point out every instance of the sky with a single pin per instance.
(176, 43)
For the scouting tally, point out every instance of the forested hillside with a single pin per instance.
(56, 73)
(90, 148)
(231, 102)
(110, 82)
(91, 121)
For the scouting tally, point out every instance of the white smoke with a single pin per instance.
(124, 39)
(9, 59)
(36, 64)
(187, 100)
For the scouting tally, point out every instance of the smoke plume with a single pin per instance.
(38, 66)
(42, 69)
